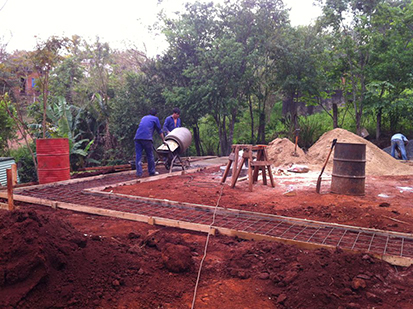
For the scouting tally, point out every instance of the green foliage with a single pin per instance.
(65, 81)
(209, 136)
(311, 128)
(8, 128)
(26, 169)
(226, 67)
(134, 100)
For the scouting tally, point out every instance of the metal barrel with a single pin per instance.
(349, 168)
(53, 163)
(182, 136)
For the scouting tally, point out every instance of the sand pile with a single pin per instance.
(280, 152)
(378, 162)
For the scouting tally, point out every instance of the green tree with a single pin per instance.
(390, 75)
(45, 58)
(8, 129)
(350, 23)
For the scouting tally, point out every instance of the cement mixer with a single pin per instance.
(176, 143)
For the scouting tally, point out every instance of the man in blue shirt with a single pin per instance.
(398, 141)
(173, 121)
(143, 141)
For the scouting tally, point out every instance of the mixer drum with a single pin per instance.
(182, 136)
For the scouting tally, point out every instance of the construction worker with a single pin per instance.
(173, 121)
(143, 141)
(399, 141)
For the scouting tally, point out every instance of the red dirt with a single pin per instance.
(61, 259)
(386, 198)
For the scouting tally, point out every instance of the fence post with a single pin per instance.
(10, 189)
(14, 173)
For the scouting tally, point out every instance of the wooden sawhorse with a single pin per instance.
(261, 163)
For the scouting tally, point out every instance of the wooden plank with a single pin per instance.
(250, 174)
(4, 206)
(391, 259)
(77, 180)
(260, 163)
(10, 200)
(269, 168)
(119, 214)
(148, 179)
(109, 167)
(226, 172)
(86, 179)
(235, 166)
(21, 185)
(395, 260)
(235, 177)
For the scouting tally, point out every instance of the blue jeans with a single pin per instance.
(399, 143)
(147, 145)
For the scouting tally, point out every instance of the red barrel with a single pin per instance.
(53, 163)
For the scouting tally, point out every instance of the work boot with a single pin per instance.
(154, 174)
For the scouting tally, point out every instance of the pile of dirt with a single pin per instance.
(281, 153)
(322, 278)
(46, 263)
(378, 162)
(42, 255)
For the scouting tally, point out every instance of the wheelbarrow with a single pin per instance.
(175, 144)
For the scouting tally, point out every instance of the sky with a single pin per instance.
(122, 23)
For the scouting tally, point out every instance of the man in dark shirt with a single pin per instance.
(143, 141)
(173, 121)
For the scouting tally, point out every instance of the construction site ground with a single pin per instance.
(56, 258)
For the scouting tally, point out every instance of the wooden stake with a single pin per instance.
(10, 189)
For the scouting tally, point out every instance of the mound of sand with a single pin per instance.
(378, 162)
(281, 153)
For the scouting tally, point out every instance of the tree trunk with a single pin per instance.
(109, 142)
(231, 130)
(197, 140)
(294, 112)
(252, 120)
(261, 128)
(44, 92)
(223, 137)
(378, 124)
(356, 109)
(335, 115)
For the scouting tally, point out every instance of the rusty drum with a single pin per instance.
(349, 169)
(53, 162)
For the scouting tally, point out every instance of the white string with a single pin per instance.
(206, 248)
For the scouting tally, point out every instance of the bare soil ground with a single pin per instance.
(62, 259)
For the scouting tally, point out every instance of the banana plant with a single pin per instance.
(64, 121)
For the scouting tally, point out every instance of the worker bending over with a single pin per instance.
(399, 141)
(143, 141)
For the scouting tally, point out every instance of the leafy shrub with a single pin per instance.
(25, 166)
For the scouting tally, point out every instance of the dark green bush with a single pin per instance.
(25, 166)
